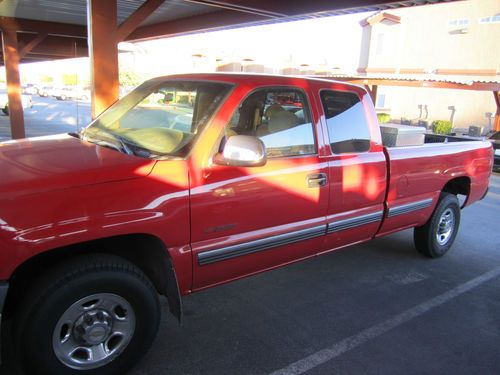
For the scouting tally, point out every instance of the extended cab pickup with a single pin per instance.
(191, 181)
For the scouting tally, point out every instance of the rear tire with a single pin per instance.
(435, 237)
(91, 315)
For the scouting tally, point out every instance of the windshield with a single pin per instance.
(158, 118)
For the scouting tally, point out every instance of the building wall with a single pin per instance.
(441, 39)
(426, 38)
(471, 106)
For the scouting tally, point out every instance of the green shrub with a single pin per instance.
(383, 117)
(441, 127)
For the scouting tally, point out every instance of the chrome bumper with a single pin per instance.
(4, 286)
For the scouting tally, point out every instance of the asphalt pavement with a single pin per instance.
(374, 308)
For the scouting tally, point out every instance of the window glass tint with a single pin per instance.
(346, 122)
(278, 117)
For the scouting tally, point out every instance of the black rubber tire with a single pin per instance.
(59, 288)
(6, 110)
(424, 237)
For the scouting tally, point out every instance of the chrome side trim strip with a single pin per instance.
(233, 251)
(409, 207)
(353, 222)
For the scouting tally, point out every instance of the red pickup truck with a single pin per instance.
(191, 181)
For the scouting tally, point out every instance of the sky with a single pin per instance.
(330, 41)
(333, 41)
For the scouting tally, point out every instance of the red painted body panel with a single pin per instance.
(59, 191)
(421, 172)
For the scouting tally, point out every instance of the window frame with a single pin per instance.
(284, 88)
(327, 134)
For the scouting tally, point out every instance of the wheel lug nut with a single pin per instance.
(100, 316)
(87, 319)
(80, 330)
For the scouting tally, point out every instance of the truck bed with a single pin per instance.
(420, 173)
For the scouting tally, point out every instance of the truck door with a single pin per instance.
(356, 167)
(245, 220)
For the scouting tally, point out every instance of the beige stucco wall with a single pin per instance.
(471, 106)
(425, 40)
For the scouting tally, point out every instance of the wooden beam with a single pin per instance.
(496, 124)
(34, 42)
(51, 28)
(295, 8)
(240, 8)
(103, 51)
(136, 18)
(52, 46)
(11, 56)
(199, 23)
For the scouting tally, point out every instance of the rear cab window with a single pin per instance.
(348, 129)
(280, 118)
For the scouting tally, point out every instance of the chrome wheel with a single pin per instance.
(446, 226)
(93, 331)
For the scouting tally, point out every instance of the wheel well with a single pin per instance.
(458, 186)
(146, 251)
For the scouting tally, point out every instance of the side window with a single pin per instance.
(280, 118)
(346, 122)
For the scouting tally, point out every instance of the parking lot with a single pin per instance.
(375, 308)
(49, 116)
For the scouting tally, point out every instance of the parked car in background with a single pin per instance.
(4, 102)
(66, 93)
(44, 91)
(30, 89)
(495, 140)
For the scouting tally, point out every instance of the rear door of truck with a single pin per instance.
(357, 168)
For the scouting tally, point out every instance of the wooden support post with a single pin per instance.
(103, 52)
(496, 124)
(373, 94)
(11, 58)
(372, 91)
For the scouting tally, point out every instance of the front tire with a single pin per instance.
(92, 315)
(435, 237)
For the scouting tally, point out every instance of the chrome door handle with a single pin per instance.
(316, 180)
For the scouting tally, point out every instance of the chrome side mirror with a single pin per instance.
(242, 151)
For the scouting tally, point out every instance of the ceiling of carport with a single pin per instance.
(65, 20)
(75, 11)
